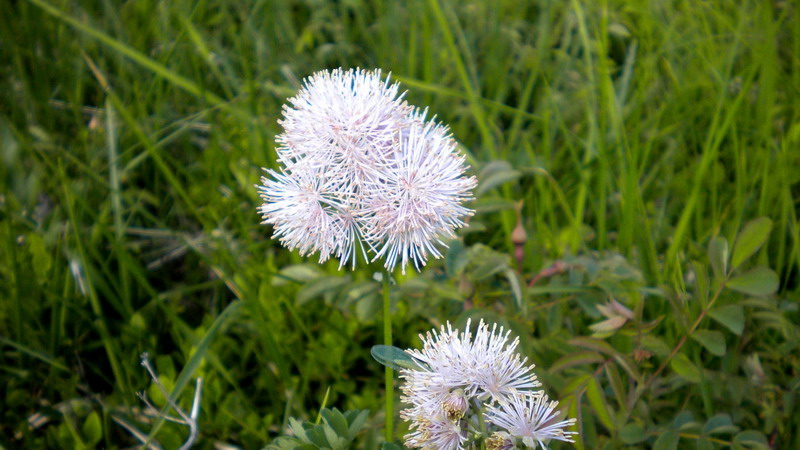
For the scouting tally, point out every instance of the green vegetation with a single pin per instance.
(654, 148)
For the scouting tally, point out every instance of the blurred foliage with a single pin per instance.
(336, 432)
(652, 145)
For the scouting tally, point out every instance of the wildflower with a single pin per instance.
(342, 121)
(436, 432)
(486, 365)
(461, 376)
(303, 208)
(362, 171)
(418, 200)
(498, 369)
(455, 405)
(532, 417)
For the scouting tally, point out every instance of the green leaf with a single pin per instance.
(751, 438)
(684, 421)
(617, 385)
(336, 441)
(632, 433)
(319, 287)
(685, 368)
(496, 179)
(576, 359)
(395, 358)
(759, 281)
(598, 403)
(368, 309)
(655, 345)
(298, 429)
(390, 446)
(594, 344)
(731, 316)
(92, 429)
(494, 174)
(289, 443)
(491, 205)
(456, 259)
(703, 444)
(668, 440)
(720, 423)
(750, 239)
(516, 290)
(335, 433)
(317, 436)
(336, 420)
(701, 277)
(296, 273)
(42, 356)
(356, 419)
(713, 341)
(718, 256)
(608, 326)
(485, 262)
(628, 365)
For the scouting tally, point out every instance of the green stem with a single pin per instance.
(482, 424)
(387, 340)
(640, 390)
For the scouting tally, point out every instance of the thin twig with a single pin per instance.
(639, 391)
(387, 340)
(135, 432)
(555, 269)
(189, 420)
(195, 413)
(167, 396)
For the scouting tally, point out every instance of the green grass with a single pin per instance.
(635, 134)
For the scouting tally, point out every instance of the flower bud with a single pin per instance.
(500, 440)
(455, 405)
(519, 237)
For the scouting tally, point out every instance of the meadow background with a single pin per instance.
(641, 152)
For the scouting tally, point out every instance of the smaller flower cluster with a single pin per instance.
(470, 388)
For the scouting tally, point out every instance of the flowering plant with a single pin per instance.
(363, 171)
(468, 388)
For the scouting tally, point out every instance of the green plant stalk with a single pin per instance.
(685, 336)
(482, 424)
(387, 340)
(639, 391)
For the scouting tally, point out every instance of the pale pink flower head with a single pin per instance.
(436, 432)
(362, 170)
(532, 417)
(304, 209)
(485, 364)
(344, 122)
(418, 200)
(462, 378)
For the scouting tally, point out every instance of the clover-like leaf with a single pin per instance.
(759, 281)
(750, 239)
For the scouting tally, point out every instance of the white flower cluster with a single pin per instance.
(363, 171)
(476, 387)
